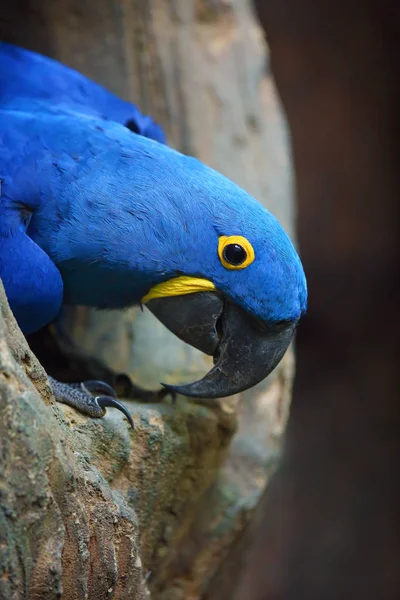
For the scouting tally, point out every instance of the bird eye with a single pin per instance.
(235, 252)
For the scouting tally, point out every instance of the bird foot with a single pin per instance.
(94, 387)
(128, 389)
(79, 396)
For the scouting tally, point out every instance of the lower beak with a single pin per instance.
(245, 349)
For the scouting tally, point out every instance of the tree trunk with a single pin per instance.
(175, 497)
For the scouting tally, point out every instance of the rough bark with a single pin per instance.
(73, 490)
(63, 530)
(179, 486)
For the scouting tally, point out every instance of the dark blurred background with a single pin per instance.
(328, 527)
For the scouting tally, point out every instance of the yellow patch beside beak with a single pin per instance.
(179, 286)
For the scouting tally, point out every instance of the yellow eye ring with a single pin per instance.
(235, 252)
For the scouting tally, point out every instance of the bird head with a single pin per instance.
(233, 286)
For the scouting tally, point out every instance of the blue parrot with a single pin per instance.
(94, 213)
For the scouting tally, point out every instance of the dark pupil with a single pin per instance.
(234, 254)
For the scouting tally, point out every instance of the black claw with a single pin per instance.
(94, 386)
(128, 389)
(167, 391)
(109, 402)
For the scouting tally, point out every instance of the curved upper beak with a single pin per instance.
(245, 349)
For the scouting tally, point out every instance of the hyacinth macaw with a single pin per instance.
(97, 210)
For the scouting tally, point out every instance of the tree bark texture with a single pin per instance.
(170, 499)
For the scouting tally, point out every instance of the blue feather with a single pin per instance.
(113, 213)
(33, 283)
(28, 79)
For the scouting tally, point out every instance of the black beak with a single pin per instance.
(245, 349)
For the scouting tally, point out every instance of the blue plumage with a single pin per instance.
(92, 213)
(117, 213)
(30, 81)
(33, 283)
